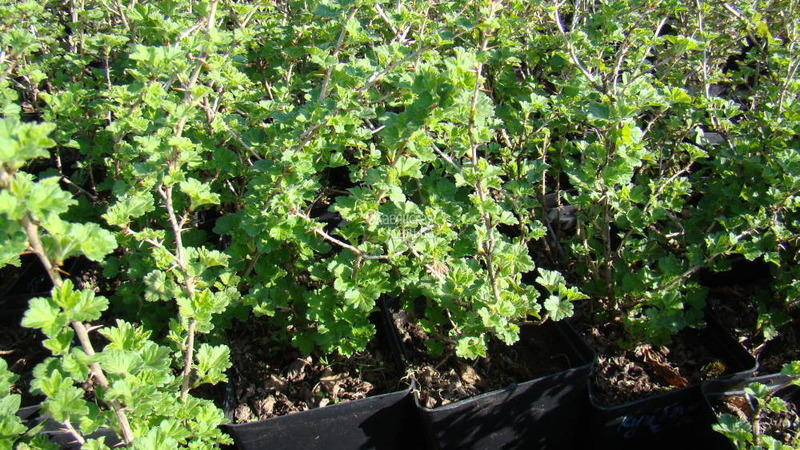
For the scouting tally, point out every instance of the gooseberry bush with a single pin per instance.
(493, 161)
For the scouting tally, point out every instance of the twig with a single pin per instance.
(323, 91)
(32, 230)
(574, 55)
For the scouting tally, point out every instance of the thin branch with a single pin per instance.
(32, 230)
(347, 246)
(323, 91)
(574, 55)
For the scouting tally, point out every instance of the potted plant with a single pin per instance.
(757, 412)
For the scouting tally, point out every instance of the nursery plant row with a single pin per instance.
(493, 222)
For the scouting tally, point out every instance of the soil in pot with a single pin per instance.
(648, 395)
(527, 395)
(624, 374)
(444, 379)
(289, 400)
(782, 425)
(737, 312)
(275, 380)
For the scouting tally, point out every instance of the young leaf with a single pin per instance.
(44, 315)
(212, 362)
(557, 308)
(199, 194)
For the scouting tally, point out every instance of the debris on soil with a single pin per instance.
(446, 378)
(624, 375)
(737, 313)
(274, 380)
(781, 425)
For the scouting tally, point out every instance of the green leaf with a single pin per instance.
(557, 308)
(66, 403)
(48, 379)
(20, 142)
(212, 362)
(80, 305)
(94, 241)
(738, 431)
(129, 207)
(408, 167)
(550, 279)
(199, 194)
(60, 344)
(125, 336)
(121, 362)
(470, 347)
(43, 314)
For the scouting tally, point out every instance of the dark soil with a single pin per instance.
(22, 349)
(783, 426)
(274, 380)
(627, 374)
(737, 312)
(445, 379)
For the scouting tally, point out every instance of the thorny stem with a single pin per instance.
(180, 259)
(488, 248)
(177, 226)
(701, 26)
(573, 54)
(32, 230)
(75, 433)
(323, 91)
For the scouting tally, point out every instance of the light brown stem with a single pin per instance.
(488, 248)
(188, 360)
(180, 259)
(32, 230)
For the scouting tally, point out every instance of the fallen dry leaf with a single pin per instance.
(654, 360)
(468, 374)
(297, 369)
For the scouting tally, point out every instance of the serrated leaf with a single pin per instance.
(125, 336)
(212, 362)
(94, 241)
(557, 308)
(60, 344)
(550, 279)
(470, 347)
(43, 314)
(128, 208)
(122, 362)
(66, 403)
(199, 194)
(80, 305)
(48, 379)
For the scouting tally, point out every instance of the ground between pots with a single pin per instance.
(445, 378)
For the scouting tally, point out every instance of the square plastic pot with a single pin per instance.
(541, 413)
(671, 419)
(716, 391)
(381, 422)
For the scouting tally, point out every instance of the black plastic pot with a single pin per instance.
(380, 422)
(383, 422)
(30, 280)
(671, 419)
(716, 391)
(56, 433)
(541, 413)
